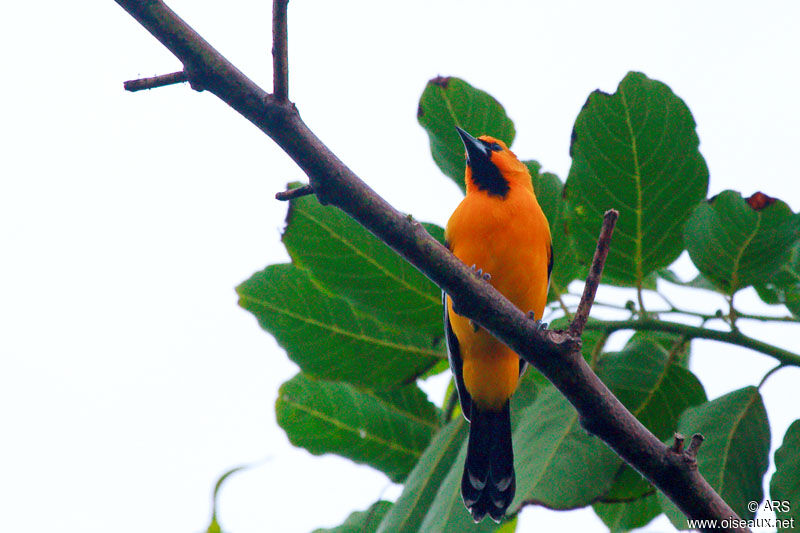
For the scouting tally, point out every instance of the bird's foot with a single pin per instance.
(541, 326)
(485, 276)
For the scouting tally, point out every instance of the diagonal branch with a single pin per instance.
(555, 354)
(595, 273)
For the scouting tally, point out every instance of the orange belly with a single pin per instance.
(510, 239)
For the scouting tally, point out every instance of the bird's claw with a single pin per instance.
(485, 276)
(540, 326)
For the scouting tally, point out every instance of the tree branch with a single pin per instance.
(694, 332)
(556, 355)
(595, 273)
(280, 51)
(156, 81)
(297, 192)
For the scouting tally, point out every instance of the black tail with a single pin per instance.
(488, 484)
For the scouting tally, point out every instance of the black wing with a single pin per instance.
(454, 356)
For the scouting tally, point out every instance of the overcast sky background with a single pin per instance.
(129, 378)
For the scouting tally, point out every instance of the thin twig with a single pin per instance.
(768, 374)
(291, 194)
(694, 332)
(156, 81)
(280, 51)
(595, 273)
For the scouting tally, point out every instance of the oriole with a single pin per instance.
(502, 232)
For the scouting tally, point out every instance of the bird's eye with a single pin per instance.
(494, 147)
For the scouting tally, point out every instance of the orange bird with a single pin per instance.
(502, 232)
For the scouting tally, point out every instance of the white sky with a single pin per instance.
(129, 378)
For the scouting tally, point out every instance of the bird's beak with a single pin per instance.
(478, 154)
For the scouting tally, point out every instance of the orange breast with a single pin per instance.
(510, 239)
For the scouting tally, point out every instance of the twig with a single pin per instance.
(556, 355)
(703, 316)
(768, 374)
(694, 445)
(595, 273)
(280, 51)
(291, 194)
(677, 446)
(765, 318)
(156, 81)
(694, 332)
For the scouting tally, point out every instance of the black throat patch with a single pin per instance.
(487, 177)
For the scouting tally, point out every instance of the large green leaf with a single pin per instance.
(635, 151)
(559, 465)
(629, 485)
(651, 383)
(625, 516)
(674, 345)
(784, 286)
(735, 453)
(327, 337)
(649, 378)
(425, 479)
(549, 192)
(785, 483)
(737, 242)
(347, 260)
(388, 431)
(450, 102)
(362, 521)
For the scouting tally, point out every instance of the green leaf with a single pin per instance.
(348, 261)
(736, 242)
(635, 151)
(698, 282)
(362, 521)
(330, 339)
(549, 192)
(651, 383)
(387, 431)
(425, 479)
(626, 516)
(629, 485)
(735, 453)
(785, 483)
(559, 465)
(649, 378)
(784, 286)
(669, 342)
(450, 102)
